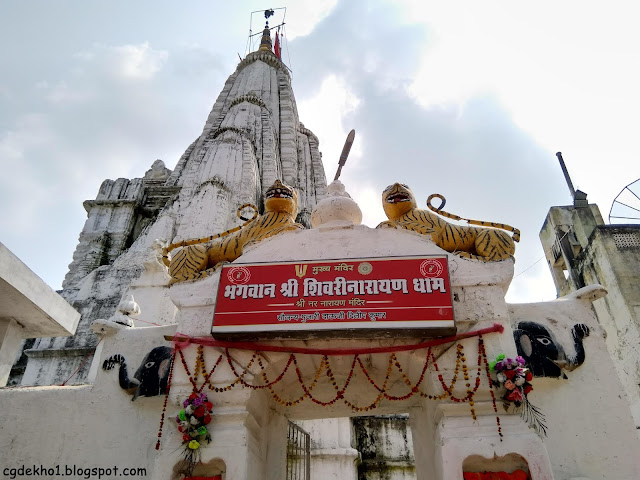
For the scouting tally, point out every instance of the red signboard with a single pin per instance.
(391, 294)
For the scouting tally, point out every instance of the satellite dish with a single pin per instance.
(626, 206)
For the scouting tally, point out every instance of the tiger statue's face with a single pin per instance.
(397, 199)
(281, 198)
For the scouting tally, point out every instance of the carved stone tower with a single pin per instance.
(251, 138)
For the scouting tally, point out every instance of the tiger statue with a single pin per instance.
(486, 244)
(197, 256)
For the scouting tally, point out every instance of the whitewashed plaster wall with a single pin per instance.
(591, 429)
(618, 268)
(332, 454)
(385, 445)
(87, 426)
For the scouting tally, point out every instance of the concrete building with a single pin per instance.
(28, 308)
(581, 250)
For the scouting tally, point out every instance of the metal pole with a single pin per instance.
(566, 175)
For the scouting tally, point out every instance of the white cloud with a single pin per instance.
(63, 94)
(326, 111)
(139, 61)
(303, 16)
(5, 93)
(129, 62)
(23, 192)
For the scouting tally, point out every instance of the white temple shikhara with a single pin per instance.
(352, 320)
(251, 138)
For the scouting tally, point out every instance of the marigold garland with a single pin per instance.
(324, 369)
(461, 370)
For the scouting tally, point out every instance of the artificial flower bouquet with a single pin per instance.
(192, 423)
(515, 378)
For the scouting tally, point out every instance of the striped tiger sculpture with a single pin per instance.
(197, 257)
(485, 244)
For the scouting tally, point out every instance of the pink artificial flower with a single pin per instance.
(515, 395)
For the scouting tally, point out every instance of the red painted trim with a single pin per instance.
(517, 475)
(217, 477)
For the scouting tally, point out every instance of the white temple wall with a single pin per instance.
(591, 431)
(85, 426)
(332, 453)
(385, 446)
(424, 441)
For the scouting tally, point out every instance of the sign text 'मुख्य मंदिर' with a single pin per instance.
(340, 287)
(341, 315)
(342, 267)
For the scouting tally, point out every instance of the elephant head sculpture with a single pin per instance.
(151, 377)
(544, 355)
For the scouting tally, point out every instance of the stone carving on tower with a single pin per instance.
(251, 138)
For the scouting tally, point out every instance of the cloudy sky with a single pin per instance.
(469, 100)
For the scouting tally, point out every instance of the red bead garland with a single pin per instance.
(166, 397)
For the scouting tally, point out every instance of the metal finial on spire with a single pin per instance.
(265, 42)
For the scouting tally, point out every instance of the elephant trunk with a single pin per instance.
(578, 332)
(125, 383)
